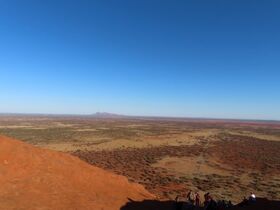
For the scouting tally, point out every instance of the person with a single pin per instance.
(178, 203)
(229, 205)
(191, 197)
(212, 205)
(209, 203)
(197, 199)
(221, 204)
(206, 199)
(252, 197)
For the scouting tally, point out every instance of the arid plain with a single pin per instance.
(168, 156)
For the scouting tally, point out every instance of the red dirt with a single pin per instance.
(34, 178)
(251, 165)
(242, 152)
(136, 164)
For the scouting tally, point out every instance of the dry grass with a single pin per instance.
(167, 156)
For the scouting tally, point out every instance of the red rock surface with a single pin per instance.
(35, 178)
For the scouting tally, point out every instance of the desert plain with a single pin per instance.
(169, 156)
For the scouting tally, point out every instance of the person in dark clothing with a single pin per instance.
(206, 199)
(209, 203)
(197, 199)
(178, 203)
(229, 204)
(212, 205)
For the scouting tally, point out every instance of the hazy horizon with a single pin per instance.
(103, 114)
(217, 59)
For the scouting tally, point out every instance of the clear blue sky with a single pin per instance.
(189, 58)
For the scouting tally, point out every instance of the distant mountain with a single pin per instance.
(108, 115)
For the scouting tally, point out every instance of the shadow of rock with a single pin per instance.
(149, 205)
(260, 204)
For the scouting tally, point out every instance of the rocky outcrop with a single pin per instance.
(35, 178)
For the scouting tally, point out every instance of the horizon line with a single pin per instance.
(115, 115)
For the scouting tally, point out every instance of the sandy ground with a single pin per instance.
(190, 166)
(37, 179)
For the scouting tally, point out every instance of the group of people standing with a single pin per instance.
(194, 198)
(194, 202)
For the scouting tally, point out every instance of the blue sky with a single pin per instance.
(190, 58)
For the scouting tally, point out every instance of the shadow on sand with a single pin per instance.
(149, 205)
(261, 204)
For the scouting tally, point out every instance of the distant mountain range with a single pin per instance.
(108, 115)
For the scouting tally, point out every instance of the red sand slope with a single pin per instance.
(35, 178)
